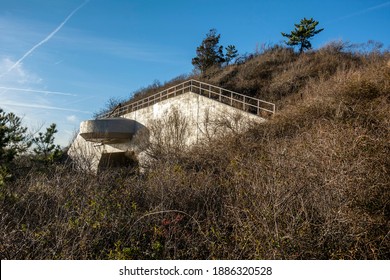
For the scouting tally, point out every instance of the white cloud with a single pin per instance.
(19, 77)
(22, 88)
(47, 38)
(24, 93)
(72, 119)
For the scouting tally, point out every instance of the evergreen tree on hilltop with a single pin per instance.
(231, 53)
(209, 53)
(302, 33)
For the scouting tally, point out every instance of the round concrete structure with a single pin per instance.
(113, 130)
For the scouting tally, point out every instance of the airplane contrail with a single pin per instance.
(39, 106)
(361, 12)
(39, 91)
(48, 37)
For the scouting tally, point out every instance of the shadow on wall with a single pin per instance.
(109, 143)
(123, 152)
(118, 159)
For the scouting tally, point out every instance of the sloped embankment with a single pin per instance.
(313, 182)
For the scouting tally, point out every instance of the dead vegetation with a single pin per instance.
(311, 183)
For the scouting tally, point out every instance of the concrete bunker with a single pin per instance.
(110, 140)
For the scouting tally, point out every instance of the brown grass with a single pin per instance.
(311, 183)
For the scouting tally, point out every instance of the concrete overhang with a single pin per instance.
(108, 131)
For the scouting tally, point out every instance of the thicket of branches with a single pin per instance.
(311, 183)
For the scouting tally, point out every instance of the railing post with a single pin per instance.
(209, 91)
(231, 98)
(220, 95)
(243, 104)
(258, 107)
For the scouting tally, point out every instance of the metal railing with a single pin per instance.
(231, 98)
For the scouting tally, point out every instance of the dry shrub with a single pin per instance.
(311, 183)
(167, 139)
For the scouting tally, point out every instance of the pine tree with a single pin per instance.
(302, 33)
(209, 53)
(45, 149)
(231, 53)
(13, 141)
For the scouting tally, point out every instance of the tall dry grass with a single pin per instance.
(311, 183)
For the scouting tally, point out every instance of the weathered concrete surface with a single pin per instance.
(108, 131)
(200, 112)
(199, 119)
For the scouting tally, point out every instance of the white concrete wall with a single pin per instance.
(206, 118)
(197, 109)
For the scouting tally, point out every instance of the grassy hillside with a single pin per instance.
(312, 182)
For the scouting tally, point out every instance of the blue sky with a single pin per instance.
(61, 60)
